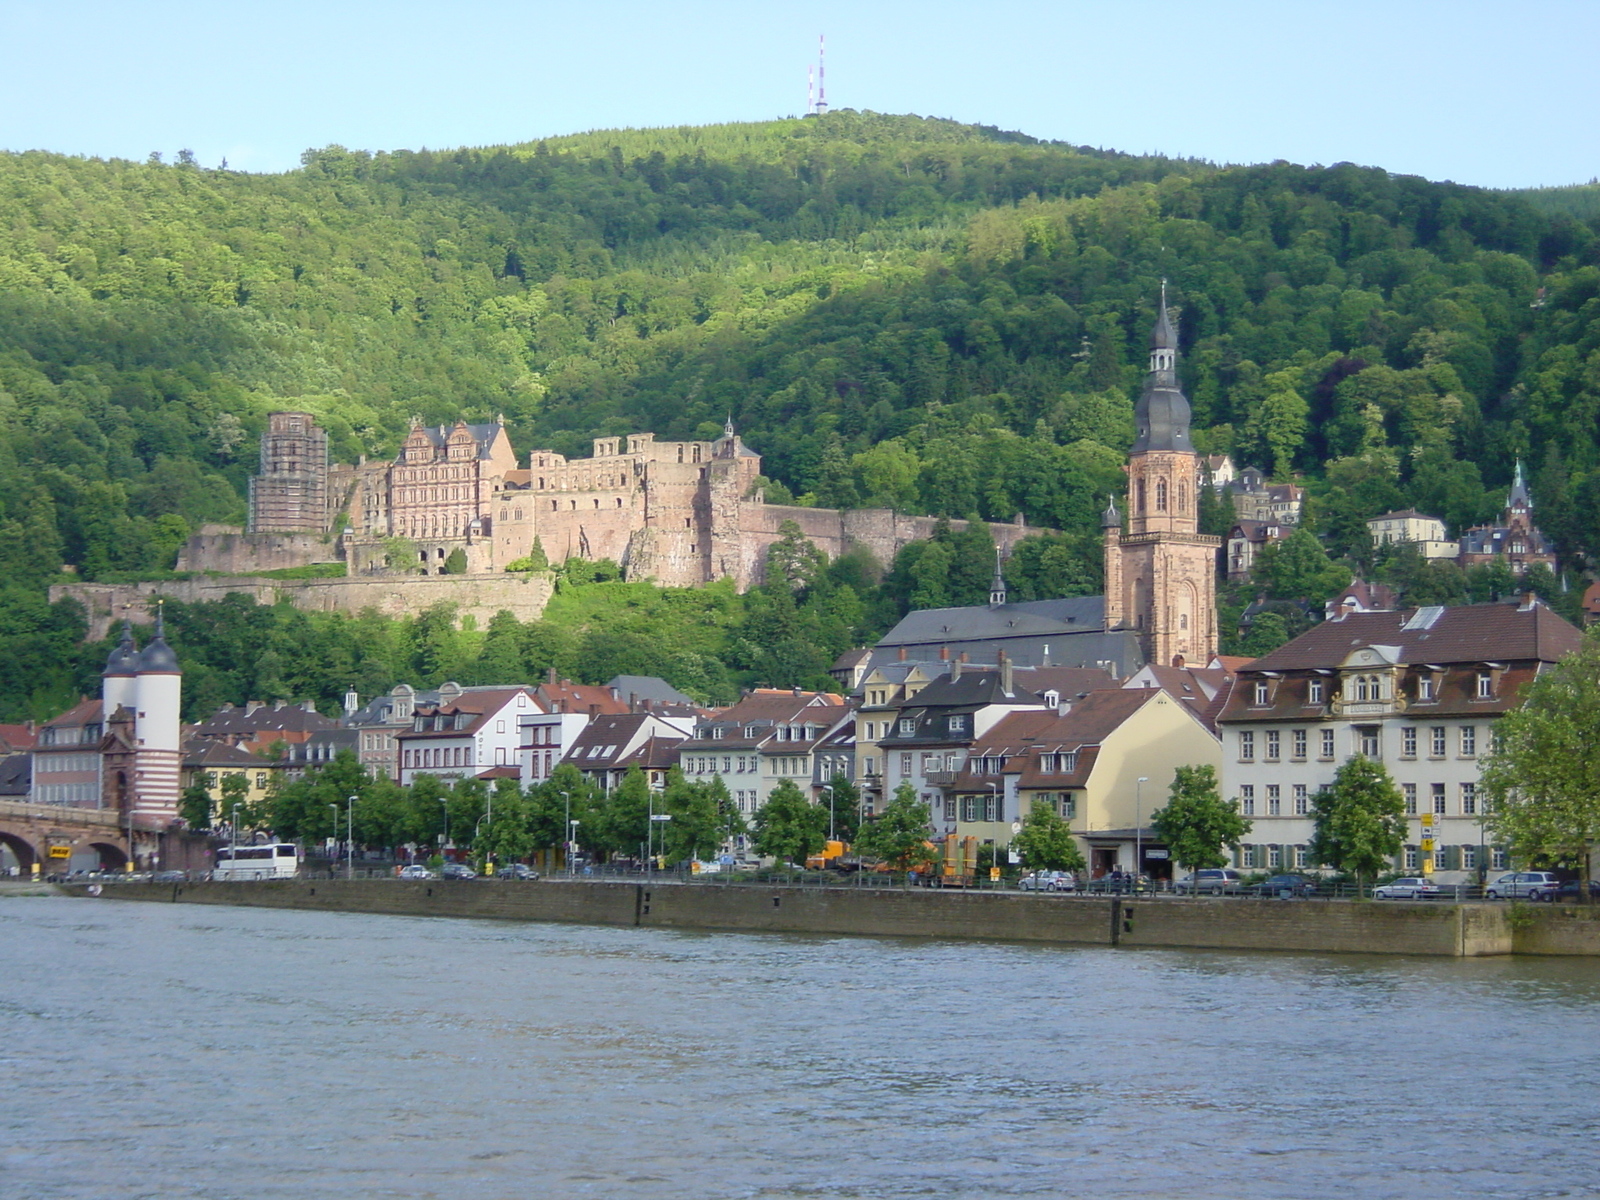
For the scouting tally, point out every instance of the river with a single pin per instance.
(176, 1051)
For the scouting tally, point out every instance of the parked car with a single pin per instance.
(169, 877)
(1291, 885)
(1048, 881)
(1409, 887)
(416, 872)
(1568, 892)
(455, 870)
(1213, 881)
(1524, 885)
(517, 871)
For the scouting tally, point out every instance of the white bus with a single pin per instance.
(278, 861)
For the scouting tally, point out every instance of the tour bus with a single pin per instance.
(278, 861)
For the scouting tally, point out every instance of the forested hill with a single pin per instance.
(895, 311)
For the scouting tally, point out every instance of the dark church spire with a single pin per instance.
(1162, 414)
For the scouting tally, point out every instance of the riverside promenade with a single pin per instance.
(1326, 926)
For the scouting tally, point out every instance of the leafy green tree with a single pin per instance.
(1359, 822)
(899, 834)
(1046, 842)
(842, 802)
(1543, 777)
(1297, 568)
(195, 806)
(695, 830)
(624, 818)
(455, 562)
(1196, 823)
(788, 826)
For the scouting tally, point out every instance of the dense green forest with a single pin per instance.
(896, 311)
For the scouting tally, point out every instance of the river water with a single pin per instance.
(174, 1051)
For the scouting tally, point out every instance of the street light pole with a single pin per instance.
(445, 845)
(567, 828)
(332, 870)
(350, 839)
(1138, 827)
(832, 810)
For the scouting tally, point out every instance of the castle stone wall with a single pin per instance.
(231, 550)
(477, 596)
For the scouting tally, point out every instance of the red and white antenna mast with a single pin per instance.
(811, 90)
(822, 79)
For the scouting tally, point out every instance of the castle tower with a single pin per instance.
(290, 495)
(158, 739)
(119, 682)
(1161, 573)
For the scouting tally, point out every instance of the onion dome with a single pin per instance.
(158, 657)
(124, 658)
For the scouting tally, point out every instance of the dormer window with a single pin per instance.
(908, 726)
(957, 723)
(1052, 699)
(1425, 687)
(1262, 694)
(1314, 691)
(1485, 686)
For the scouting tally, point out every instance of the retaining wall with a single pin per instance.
(1450, 930)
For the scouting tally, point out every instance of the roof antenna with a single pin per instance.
(822, 79)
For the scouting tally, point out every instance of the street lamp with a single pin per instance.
(334, 868)
(445, 845)
(572, 836)
(349, 838)
(831, 809)
(568, 828)
(1138, 827)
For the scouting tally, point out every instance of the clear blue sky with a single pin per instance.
(1503, 94)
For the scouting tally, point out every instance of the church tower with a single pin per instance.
(1161, 575)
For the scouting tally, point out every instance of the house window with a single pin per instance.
(1408, 741)
(1469, 741)
(1274, 742)
(958, 723)
(1261, 694)
(1069, 806)
(1411, 858)
(1367, 738)
(991, 805)
(1409, 791)
(1469, 799)
(1274, 857)
(908, 726)
(1299, 752)
(1438, 799)
(1314, 692)
(905, 764)
(1247, 857)
(1300, 800)
(1327, 744)
(727, 765)
(1247, 746)
(1485, 686)
(1301, 858)
(949, 808)
(1425, 687)
(1247, 799)
(1469, 858)
(1274, 801)
(969, 808)
(1436, 742)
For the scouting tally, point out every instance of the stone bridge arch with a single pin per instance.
(25, 852)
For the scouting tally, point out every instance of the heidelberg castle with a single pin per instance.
(681, 513)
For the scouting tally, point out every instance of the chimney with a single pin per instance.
(1006, 678)
(963, 656)
(550, 676)
(310, 706)
(901, 657)
(796, 689)
(944, 653)
(616, 693)
(251, 705)
(955, 668)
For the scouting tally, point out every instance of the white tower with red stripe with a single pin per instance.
(158, 737)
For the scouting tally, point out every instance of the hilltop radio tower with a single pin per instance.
(817, 81)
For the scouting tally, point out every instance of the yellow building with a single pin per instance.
(1104, 765)
(209, 762)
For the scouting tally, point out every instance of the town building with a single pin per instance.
(467, 736)
(1418, 690)
(1103, 762)
(610, 745)
(1514, 541)
(1246, 540)
(1409, 527)
(66, 761)
(258, 726)
(209, 762)
(769, 736)
(1254, 499)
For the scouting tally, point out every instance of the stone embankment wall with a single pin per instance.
(229, 549)
(1466, 930)
(477, 596)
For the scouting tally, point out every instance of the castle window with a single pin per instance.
(554, 504)
(1183, 497)
(1138, 497)
(1161, 495)
(619, 501)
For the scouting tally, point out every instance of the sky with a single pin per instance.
(1496, 94)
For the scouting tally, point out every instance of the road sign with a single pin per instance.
(661, 816)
